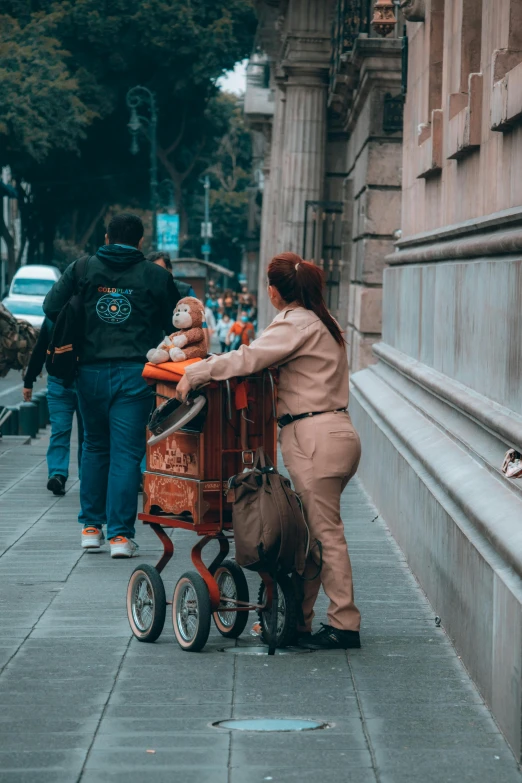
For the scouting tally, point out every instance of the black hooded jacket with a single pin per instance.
(128, 302)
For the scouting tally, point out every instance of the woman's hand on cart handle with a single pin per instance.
(183, 388)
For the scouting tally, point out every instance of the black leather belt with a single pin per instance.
(288, 418)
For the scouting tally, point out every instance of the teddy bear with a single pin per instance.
(187, 343)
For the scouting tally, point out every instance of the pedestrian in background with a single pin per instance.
(230, 304)
(128, 305)
(63, 404)
(223, 332)
(242, 332)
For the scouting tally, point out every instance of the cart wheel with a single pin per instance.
(232, 585)
(286, 613)
(146, 603)
(191, 612)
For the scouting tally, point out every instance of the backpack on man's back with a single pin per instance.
(64, 349)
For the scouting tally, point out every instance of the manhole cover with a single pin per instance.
(271, 724)
(259, 650)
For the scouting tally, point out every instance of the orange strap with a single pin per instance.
(241, 396)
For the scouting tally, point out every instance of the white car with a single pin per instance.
(27, 292)
(33, 280)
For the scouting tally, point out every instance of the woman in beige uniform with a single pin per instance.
(320, 446)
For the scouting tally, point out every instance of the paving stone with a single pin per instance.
(325, 774)
(158, 698)
(170, 775)
(36, 776)
(35, 740)
(183, 758)
(52, 759)
(209, 741)
(464, 765)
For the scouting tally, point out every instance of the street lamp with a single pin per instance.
(384, 20)
(136, 97)
(206, 227)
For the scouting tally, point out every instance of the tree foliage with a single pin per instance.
(41, 109)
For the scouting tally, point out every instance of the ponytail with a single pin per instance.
(302, 282)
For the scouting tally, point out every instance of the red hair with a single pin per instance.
(302, 282)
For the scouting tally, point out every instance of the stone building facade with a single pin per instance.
(439, 410)
(331, 116)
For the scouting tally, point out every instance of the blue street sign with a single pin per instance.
(167, 229)
(205, 249)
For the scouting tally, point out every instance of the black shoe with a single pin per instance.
(330, 638)
(56, 485)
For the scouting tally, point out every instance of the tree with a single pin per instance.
(40, 108)
(231, 181)
(176, 49)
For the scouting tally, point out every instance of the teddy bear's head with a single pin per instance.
(188, 313)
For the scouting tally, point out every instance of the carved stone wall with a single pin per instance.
(444, 402)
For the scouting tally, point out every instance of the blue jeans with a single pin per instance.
(115, 403)
(63, 404)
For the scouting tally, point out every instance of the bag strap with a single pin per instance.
(80, 270)
(319, 546)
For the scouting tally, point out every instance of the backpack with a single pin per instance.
(270, 531)
(64, 349)
(17, 340)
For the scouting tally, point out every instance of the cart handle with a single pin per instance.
(229, 401)
(274, 408)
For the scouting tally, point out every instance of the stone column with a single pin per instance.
(305, 62)
(304, 151)
(271, 207)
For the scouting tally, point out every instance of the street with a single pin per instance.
(82, 700)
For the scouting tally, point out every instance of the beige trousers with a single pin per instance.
(321, 454)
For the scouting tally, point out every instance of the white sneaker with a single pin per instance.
(123, 547)
(92, 538)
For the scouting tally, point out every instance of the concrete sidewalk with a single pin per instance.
(82, 700)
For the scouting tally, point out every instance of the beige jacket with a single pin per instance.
(313, 367)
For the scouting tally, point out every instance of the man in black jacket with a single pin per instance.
(128, 308)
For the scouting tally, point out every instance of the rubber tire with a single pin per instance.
(288, 635)
(159, 608)
(204, 611)
(241, 618)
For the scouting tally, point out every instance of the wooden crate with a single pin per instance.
(185, 469)
(197, 500)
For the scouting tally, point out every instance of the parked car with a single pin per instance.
(33, 280)
(26, 309)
